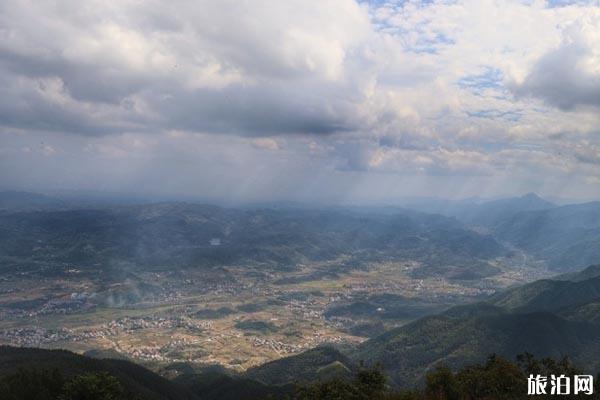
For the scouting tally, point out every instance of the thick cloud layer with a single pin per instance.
(335, 100)
(197, 66)
(569, 75)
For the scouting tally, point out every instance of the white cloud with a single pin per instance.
(265, 143)
(569, 75)
(470, 89)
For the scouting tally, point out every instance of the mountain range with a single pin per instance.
(440, 233)
(564, 237)
(202, 236)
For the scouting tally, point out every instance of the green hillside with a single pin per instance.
(213, 385)
(312, 365)
(409, 352)
(566, 237)
(137, 381)
(549, 318)
(549, 295)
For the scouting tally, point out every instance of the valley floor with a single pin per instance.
(237, 316)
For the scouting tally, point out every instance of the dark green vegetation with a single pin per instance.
(51, 385)
(54, 375)
(81, 371)
(496, 378)
(215, 385)
(563, 295)
(35, 374)
(384, 306)
(214, 313)
(370, 313)
(305, 367)
(186, 235)
(407, 353)
(260, 326)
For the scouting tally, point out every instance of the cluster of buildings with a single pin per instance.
(153, 322)
(170, 352)
(35, 336)
(283, 348)
(305, 309)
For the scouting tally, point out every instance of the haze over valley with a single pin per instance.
(299, 200)
(172, 282)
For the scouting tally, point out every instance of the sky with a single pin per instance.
(335, 101)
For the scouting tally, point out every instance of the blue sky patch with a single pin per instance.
(491, 78)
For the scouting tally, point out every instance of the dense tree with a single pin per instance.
(32, 384)
(496, 379)
(99, 386)
(367, 384)
(442, 384)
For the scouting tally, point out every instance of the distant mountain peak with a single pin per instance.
(534, 197)
(527, 200)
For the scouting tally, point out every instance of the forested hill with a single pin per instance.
(53, 369)
(35, 374)
(201, 236)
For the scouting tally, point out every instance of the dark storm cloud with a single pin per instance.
(264, 110)
(565, 77)
(101, 101)
(84, 81)
(67, 100)
(162, 66)
(37, 105)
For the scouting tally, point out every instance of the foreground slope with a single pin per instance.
(136, 380)
(316, 364)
